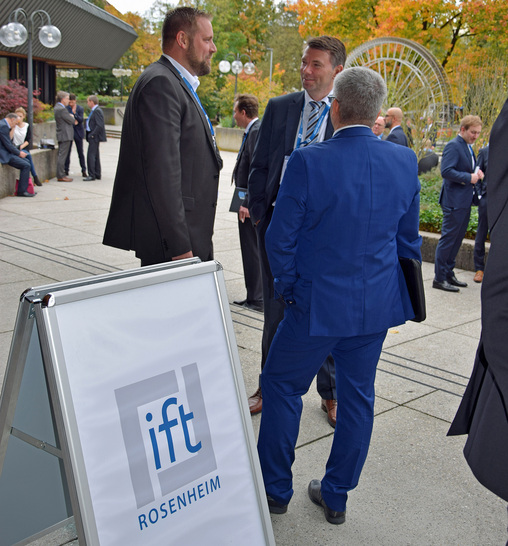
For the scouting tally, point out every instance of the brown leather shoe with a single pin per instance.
(478, 277)
(256, 402)
(64, 179)
(330, 407)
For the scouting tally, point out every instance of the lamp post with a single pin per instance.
(236, 67)
(270, 49)
(14, 34)
(120, 73)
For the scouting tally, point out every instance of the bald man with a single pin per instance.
(393, 120)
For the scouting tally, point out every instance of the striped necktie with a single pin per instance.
(312, 121)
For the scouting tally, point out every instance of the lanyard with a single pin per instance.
(191, 89)
(299, 142)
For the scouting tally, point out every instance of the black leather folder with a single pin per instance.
(412, 270)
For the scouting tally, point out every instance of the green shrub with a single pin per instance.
(431, 215)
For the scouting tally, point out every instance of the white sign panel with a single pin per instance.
(156, 428)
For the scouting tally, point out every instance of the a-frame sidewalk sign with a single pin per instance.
(123, 412)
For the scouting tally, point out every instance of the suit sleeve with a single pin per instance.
(250, 144)
(409, 241)
(159, 120)
(258, 178)
(79, 115)
(7, 142)
(65, 116)
(450, 161)
(286, 223)
(98, 123)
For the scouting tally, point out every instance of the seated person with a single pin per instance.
(428, 158)
(20, 135)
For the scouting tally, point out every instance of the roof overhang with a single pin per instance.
(91, 37)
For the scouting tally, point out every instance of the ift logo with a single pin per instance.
(166, 433)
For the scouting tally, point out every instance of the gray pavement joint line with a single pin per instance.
(425, 373)
(420, 382)
(426, 365)
(69, 265)
(31, 244)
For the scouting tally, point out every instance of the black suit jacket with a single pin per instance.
(242, 166)
(79, 116)
(398, 136)
(165, 191)
(483, 412)
(276, 139)
(96, 125)
(483, 163)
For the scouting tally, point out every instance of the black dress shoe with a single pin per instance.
(241, 303)
(276, 507)
(444, 285)
(455, 282)
(88, 179)
(37, 182)
(254, 305)
(336, 518)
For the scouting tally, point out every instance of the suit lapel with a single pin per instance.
(293, 119)
(199, 108)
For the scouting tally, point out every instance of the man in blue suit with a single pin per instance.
(290, 122)
(334, 249)
(460, 174)
(10, 155)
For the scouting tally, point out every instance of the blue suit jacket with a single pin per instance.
(276, 139)
(7, 148)
(346, 210)
(456, 168)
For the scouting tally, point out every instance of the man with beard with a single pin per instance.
(165, 191)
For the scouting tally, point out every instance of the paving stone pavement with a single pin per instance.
(416, 488)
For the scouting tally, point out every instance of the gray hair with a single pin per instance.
(360, 93)
(61, 95)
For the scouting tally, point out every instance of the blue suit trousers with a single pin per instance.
(453, 230)
(293, 361)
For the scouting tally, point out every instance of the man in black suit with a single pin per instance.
(460, 174)
(483, 220)
(290, 122)
(245, 112)
(79, 134)
(95, 134)
(393, 120)
(165, 192)
(483, 412)
(10, 155)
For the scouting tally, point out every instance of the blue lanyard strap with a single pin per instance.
(299, 142)
(191, 89)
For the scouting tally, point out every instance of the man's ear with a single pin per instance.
(182, 39)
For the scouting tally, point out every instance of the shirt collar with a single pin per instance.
(193, 80)
(308, 98)
(349, 127)
(250, 123)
